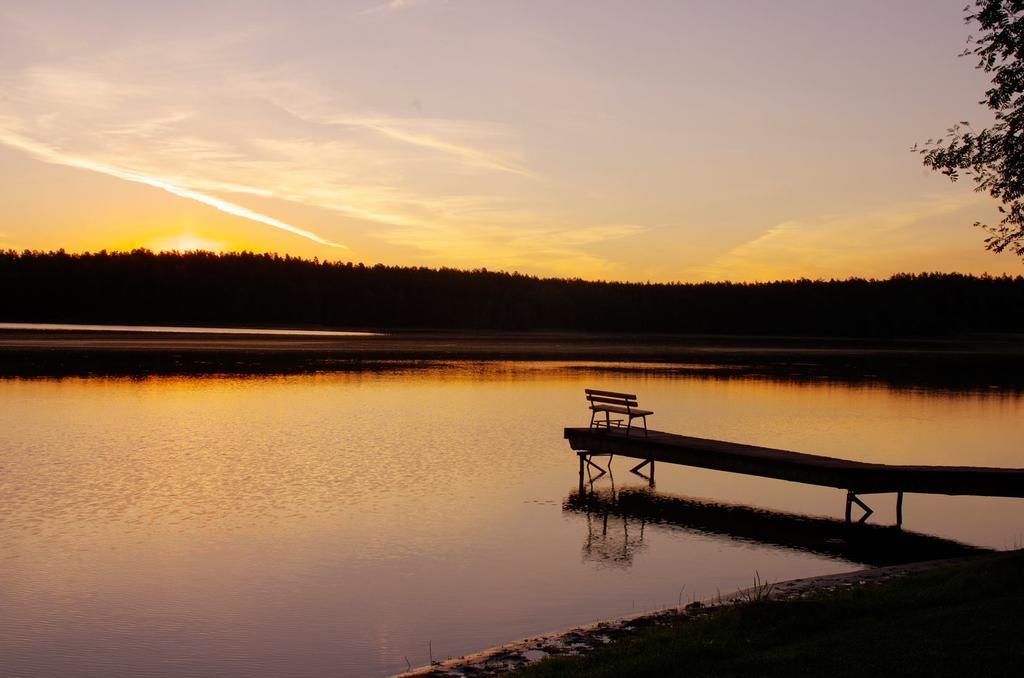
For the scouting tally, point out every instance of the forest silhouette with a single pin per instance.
(143, 287)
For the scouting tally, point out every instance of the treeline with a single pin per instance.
(142, 287)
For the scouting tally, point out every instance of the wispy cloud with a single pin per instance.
(878, 243)
(452, 190)
(394, 129)
(428, 133)
(41, 152)
(518, 245)
(399, 5)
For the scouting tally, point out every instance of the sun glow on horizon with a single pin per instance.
(187, 242)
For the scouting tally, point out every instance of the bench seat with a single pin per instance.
(617, 409)
(612, 402)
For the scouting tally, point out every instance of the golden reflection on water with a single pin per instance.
(332, 523)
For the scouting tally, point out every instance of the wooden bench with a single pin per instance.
(610, 402)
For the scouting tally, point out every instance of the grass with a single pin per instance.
(965, 620)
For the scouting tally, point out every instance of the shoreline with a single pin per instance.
(517, 654)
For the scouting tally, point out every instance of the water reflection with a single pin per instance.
(70, 351)
(613, 544)
(616, 520)
(176, 329)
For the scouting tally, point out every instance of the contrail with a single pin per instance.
(468, 153)
(229, 207)
(46, 154)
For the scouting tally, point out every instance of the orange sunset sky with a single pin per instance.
(616, 140)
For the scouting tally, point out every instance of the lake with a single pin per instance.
(172, 329)
(358, 522)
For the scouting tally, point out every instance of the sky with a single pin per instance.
(632, 140)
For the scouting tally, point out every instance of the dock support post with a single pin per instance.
(582, 464)
(586, 461)
(648, 478)
(899, 509)
(851, 499)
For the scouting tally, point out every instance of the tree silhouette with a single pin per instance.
(247, 289)
(993, 157)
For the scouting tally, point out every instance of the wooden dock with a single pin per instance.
(856, 477)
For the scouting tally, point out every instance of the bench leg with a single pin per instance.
(645, 426)
(593, 414)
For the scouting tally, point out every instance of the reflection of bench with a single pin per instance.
(610, 402)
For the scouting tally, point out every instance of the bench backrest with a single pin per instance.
(610, 398)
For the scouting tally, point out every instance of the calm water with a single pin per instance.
(335, 524)
(172, 329)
